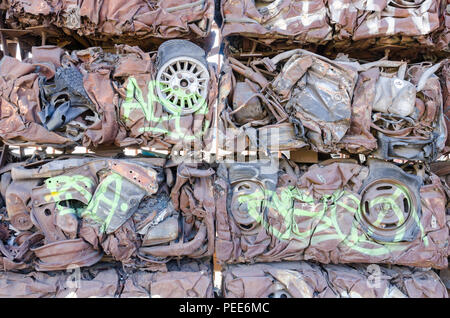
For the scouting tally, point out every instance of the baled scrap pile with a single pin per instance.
(93, 98)
(102, 23)
(389, 109)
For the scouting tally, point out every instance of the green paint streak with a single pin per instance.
(61, 186)
(61, 189)
(135, 100)
(398, 212)
(283, 205)
(392, 204)
(100, 196)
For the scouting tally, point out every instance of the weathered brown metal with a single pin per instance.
(17, 199)
(142, 177)
(189, 279)
(316, 214)
(366, 28)
(84, 207)
(62, 255)
(136, 22)
(99, 113)
(386, 108)
(310, 280)
(113, 217)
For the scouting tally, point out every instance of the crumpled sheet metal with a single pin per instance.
(18, 195)
(18, 255)
(191, 279)
(299, 20)
(114, 21)
(74, 283)
(442, 169)
(63, 254)
(377, 23)
(318, 216)
(442, 36)
(386, 108)
(310, 280)
(136, 211)
(105, 108)
(444, 76)
(32, 285)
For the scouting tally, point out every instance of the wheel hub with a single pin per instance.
(183, 85)
(386, 206)
(240, 210)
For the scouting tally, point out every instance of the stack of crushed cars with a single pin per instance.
(104, 227)
(222, 190)
(365, 86)
(103, 23)
(100, 223)
(99, 99)
(348, 26)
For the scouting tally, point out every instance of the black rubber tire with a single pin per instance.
(178, 48)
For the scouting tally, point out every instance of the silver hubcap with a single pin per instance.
(183, 85)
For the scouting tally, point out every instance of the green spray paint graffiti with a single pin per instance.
(135, 101)
(108, 194)
(103, 195)
(63, 188)
(324, 213)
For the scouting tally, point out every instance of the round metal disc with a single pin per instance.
(182, 85)
(240, 211)
(387, 207)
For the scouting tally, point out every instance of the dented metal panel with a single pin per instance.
(341, 25)
(362, 80)
(187, 280)
(321, 215)
(83, 209)
(94, 98)
(389, 109)
(131, 22)
(310, 280)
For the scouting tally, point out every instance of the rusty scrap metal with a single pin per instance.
(132, 22)
(310, 280)
(189, 279)
(85, 208)
(342, 25)
(390, 109)
(91, 98)
(371, 82)
(318, 215)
